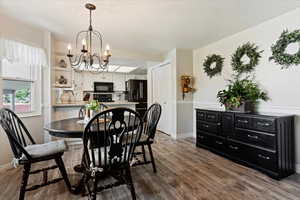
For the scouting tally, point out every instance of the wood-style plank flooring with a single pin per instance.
(183, 172)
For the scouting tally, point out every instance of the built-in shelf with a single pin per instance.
(61, 86)
(16, 79)
(62, 69)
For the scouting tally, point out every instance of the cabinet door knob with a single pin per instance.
(218, 142)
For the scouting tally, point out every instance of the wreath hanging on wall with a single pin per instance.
(251, 51)
(213, 59)
(279, 54)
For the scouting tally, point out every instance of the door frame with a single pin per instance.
(173, 94)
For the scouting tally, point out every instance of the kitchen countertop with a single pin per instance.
(79, 104)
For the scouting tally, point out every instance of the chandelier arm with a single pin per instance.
(99, 61)
(78, 35)
(76, 61)
(100, 37)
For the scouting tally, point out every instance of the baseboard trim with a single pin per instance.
(184, 135)
(298, 168)
(6, 166)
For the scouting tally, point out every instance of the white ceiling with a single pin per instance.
(154, 26)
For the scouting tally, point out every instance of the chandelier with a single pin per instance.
(90, 58)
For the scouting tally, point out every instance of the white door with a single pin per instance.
(161, 93)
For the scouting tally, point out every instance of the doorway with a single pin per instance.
(161, 77)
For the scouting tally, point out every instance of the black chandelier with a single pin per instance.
(90, 58)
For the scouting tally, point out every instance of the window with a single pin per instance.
(21, 87)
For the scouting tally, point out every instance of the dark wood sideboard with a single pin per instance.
(261, 141)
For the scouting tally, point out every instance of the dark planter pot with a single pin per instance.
(247, 107)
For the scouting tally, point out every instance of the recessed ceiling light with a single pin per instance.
(125, 69)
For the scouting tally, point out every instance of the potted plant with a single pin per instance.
(91, 109)
(241, 95)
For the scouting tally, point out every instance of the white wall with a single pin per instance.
(15, 30)
(282, 85)
(181, 61)
(184, 66)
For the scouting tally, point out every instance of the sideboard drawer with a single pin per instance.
(220, 145)
(203, 139)
(264, 159)
(264, 124)
(212, 117)
(242, 122)
(208, 127)
(200, 115)
(261, 139)
(255, 156)
(235, 150)
(227, 124)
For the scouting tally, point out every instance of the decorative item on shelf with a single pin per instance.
(186, 84)
(87, 96)
(215, 60)
(92, 58)
(67, 97)
(283, 52)
(246, 58)
(62, 63)
(241, 95)
(62, 80)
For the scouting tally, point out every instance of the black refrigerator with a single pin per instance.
(136, 91)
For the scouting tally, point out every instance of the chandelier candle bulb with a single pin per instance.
(69, 48)
(83, 44)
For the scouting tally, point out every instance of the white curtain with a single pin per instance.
(18, 52)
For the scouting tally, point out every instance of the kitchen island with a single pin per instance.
(70, 110)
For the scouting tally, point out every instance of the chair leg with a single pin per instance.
(130, 183)
(62, 169)
(94, 192)
(152, 158)
(144, 153)
(26, 172)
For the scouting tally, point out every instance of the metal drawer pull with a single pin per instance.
(229, 118)
(211, 116)
(233, 147)
(263, 124)
(220, 143)
(253, 136)
(264, 157)
(243, 121)
(206, 126)
(201, 137)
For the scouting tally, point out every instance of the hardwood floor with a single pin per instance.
(183, 172)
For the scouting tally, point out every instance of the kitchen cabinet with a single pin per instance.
(119, 82)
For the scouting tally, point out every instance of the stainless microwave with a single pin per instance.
(103, 87)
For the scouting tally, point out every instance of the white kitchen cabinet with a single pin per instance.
(119, 81)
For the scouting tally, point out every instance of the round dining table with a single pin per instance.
(66, 128)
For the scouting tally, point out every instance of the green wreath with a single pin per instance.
(278, 49)
(209, 61)
(250, 50)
